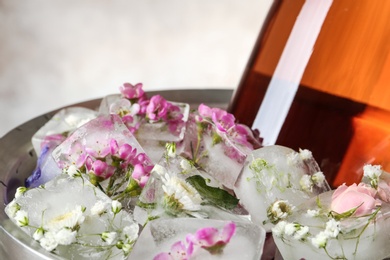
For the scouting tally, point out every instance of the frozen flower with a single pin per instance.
(306, 183)
(372, 173)
(48, 241)
(179, 196)
(21, 218)
(12, 208)
(116, 206)
(279, 229)
(108, 237)
(301, 233)
(99, 168)
(295, 230)
(98, 208)
(332, 228)
(279, 210)
(313, 212)
(171, 149)
(186, 166)
(131, 92)
(157, 109)
(211, 238)
(65, 236)
(289, 229)
(71, 219)
(72, 171)
(141, 174)
(320, 240)
(126, 248)
(38, 234)
(130, 233)
(318, 178)
(178, 251)
(20, 191)
(305, 154)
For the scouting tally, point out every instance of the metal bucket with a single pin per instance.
(18, 160)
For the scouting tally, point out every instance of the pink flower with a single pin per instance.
(211, 238)
(361, 197)
(99, 168)
(140, 174)
(157, 108)
(178, 252)
(132, 92)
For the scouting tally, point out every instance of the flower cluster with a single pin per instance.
(279, 210)
(135, 109)
(307, 182)
(208, 238)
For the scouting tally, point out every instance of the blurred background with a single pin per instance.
(55, 53)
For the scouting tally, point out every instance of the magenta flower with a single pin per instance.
(99, 168)
(211, 238)
(140, 174)
(130, 91)
(178, 252)
(157, 108)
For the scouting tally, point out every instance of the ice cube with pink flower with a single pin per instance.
(154, 121)
(183, 238)
(106, 153)
(350, 222)
(219, 145)
(276, 179)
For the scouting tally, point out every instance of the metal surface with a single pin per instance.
(18, 159)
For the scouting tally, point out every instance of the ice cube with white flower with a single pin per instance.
(276, 179)
(49, 136)
(73, 219)
(178, 189)
(184, 238)
(216, 143)
(346, 223)
(106, 153)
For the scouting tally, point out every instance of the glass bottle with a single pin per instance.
(319, 79)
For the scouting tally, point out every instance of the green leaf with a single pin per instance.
(214, 195)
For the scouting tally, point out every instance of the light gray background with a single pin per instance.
(55, 52)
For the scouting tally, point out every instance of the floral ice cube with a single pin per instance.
(199, 239)
(107, 153)
(74, 219)
(347, 223)
(177, 189)
(217, 144)
(274, 180)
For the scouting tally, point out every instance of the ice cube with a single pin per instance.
(274, 180)
(315, 231)
(245, 243)
(73, 218)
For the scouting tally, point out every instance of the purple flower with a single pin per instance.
(130, 91)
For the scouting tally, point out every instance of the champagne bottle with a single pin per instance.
(319, 79)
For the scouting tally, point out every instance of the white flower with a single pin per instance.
(290, 229)
(159, 170)
(48, 242)
(372, 172)
(318, 178)
(180, 194)
(127, 248)
(38, 234)
(301, 233)
(98, 208)
(305, 154)
(320, 240)
(12, 208)
(279, 228)
(72, 171)
(116, 206)
(65, 236)
(130, 233)
(109, 237)
(313, 212)
(332, 228)
(279, 210)
(186, 166)
(21, 218)
(306, 183)
(20, 191)
(70, 220)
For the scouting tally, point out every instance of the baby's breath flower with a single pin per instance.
(127, 247)
(306, 183)
(186, 166)
(279, 210)
(279, 229)
(20, 191)
(301, 233)
(65, 236)
(320, 240)
(318, 178)
(38, 234)
(12, 208)
(72, 171)
(98, 208)
(21, 218)
(313, 212)
(130, 233)
(171, 149)
(332, 228)
(372, 172)
(305, 154)
(71, 219)
(108, 237)
(48, 241)
(116, 206)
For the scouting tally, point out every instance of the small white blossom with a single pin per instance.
(372, 172)
(305, 154)
(320, 240)
(109, 237)
(38, 234)
(318, 178)
(12, 208)
(20, 191)
(159, 170)
(127, 248)
(48, 242)
(313, 212)
(332, 228)
(72, 171)
(116, 206)
(279, 210)
(130, 233)
(301, 233)
(98, 208)
(65, 236)
(171, 149)
(186, 166)
(279, 228)
(306, 183)
(69, 219)
(290, 229)
(21, 218)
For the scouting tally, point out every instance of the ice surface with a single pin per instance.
(56, 207)
(160, 234)
(364, 237)
(275, 173)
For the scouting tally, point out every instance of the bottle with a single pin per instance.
(319, 79)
